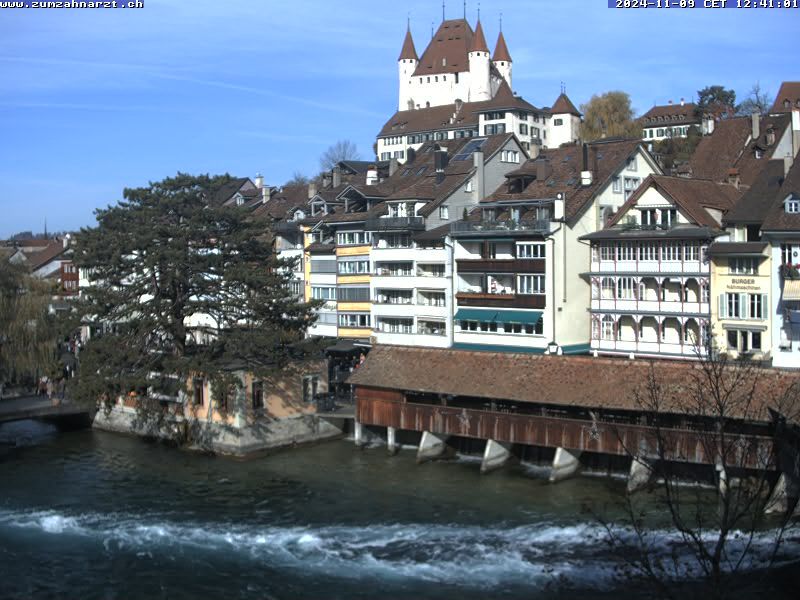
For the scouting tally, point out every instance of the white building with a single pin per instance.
(669, 121)
(519, 259)
(650, 274)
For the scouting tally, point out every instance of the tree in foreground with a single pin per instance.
(341, 150)
(609, 115)
(28, 332)
(717, 542)
(181, 287)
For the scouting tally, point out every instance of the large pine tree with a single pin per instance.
(181, 285)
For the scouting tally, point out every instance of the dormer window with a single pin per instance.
(787, 104)
(792, 205)
(758, 153)
(239, 201)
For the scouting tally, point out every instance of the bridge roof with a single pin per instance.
(574, 381)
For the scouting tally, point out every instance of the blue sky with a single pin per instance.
(92, 101)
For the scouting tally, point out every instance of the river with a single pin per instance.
(95, 515)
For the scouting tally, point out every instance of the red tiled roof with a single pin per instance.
(447, 51)
(452, 116)
(552, 380)
(501, 50)
(564, 106)
(478, 40)
(692, 196)
(408, 50)
(36, 260)
(566, 164)
(777, 218)
(789, 93)
(671, 114)
(731, 146)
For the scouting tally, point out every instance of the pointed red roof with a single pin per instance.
(478, 40)
(564, 105)
(408, 50)
(501, 50)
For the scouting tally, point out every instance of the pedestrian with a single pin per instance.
(50, 387)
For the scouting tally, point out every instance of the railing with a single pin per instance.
(467, 227)
(501, 300)
(388, 223)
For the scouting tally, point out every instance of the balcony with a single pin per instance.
(481, 228)
(395, 223)
(499, 265)
(285, 227)
(501, 300)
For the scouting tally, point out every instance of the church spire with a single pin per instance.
(408, 50)
(478, 40)
(501, 50)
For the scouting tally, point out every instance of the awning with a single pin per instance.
(519, 316)
(791, 289)
(475, 314)
(499, 316)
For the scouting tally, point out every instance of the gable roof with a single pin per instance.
(284, 201)
(564, 106)
(227, 190)
(501, 50)
(691, 196)
(731, 147)
(671, 114)
(789, 92)
(448, 51)
(459, 115)
(565, 165)
(756, 202)
(408, 50)
(777, 218)
(37, 260)
(540, 379)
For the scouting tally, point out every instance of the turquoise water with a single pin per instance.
(96, 515)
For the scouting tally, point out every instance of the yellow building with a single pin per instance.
(740, 287)
(353, 269)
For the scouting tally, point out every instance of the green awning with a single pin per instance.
(500, 316)
(518, 316)
(475, 314)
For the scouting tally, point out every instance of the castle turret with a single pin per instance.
(406, 65)
(502, 59)
(565, 122)
(479, 67)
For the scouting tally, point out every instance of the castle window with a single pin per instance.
(436, 78)
(557, 122)
(456, 77)
(444, 77)
(428, 80)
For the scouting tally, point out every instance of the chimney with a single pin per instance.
(392, 167)
(440, 160)
(259, 180)
(411, 155)
(586, 172)
(479, 187)
(337, 177)
(593, 164)
(755, 119)
(265, 191)
(670, 102)
(683, 102)
(372, 174)
(795, 132)
(312, 190)
(543, 169)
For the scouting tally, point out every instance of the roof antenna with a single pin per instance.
(563, 88)
(442, 10)
(431, 29)
(501, 21)
(408, 21)
(465, 10)
(479, 12)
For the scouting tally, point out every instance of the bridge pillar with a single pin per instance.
(495, 455)
(430, 447)
(391, 441)
(363, 436)
(641, 474)
(784, 494)
(565, 465)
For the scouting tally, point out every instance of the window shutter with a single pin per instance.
(744, 306)
(764, 307)
(723, 307)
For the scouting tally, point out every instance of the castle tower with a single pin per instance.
(406, 65)
(502, 59)
(479, 68)
(565, 122)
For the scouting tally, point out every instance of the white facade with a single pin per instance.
(562, 128)
(785, 308)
